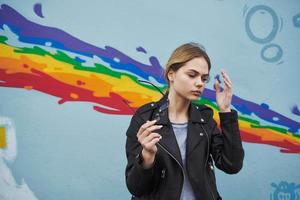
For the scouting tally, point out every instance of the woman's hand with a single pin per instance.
(148, 139)
(224, 97)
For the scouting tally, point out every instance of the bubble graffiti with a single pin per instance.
(271, 48)
(296, 20)
(255, 16)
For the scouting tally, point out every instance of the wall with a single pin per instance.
(69, 75)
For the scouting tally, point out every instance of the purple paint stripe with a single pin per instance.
(154, 69)
(30, 29)
(33, 30)
(262, 111)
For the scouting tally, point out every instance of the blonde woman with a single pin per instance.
(172, 144)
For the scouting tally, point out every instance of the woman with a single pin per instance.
(172, 144)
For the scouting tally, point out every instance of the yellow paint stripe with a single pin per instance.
(2, 138)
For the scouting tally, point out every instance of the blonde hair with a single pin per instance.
(183, 54)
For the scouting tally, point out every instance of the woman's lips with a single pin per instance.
(196, 93)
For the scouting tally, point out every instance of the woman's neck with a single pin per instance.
(178, 108)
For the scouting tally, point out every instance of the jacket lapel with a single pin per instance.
(169, 142)
(195, 133)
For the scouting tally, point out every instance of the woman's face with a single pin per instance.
(189, 80)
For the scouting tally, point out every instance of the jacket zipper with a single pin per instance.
(207, 156)
(182, 170)
(210, 190)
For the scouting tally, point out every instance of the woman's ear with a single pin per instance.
(171, 75)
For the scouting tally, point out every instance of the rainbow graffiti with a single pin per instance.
(49, 60)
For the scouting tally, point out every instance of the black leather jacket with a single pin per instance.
(205, 144)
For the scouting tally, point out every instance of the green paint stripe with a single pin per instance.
(252, 121)
(101, 69)
(204, 101)
(98, 68)
(3, 39)
(280, 130)
(35, 50)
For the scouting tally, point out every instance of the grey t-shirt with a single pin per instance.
(180, 131)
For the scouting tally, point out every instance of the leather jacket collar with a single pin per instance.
(161, 111)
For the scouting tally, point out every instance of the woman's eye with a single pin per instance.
(192, 75)
(205, 79)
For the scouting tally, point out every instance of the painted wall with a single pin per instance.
(69, 83)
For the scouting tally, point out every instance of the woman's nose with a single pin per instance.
(199, 82)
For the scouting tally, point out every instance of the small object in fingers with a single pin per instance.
(217, 77)
(157, 118)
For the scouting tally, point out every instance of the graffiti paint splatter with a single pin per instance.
(49, 60)
(285, 190)
(9, 188)
(2, 138)
(38, 10)
(295, 110)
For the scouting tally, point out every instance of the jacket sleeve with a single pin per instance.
(226, 145)
(139, 181)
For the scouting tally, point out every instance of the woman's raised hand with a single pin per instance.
(224, 97)
(148, 139)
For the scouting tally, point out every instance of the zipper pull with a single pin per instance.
(163, 173)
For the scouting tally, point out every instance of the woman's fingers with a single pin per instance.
(147, 136)
(227, 82)
(150, 141)
(149, 149)
(228, 85)
(149, 130)
(226, 77)
(145, 126)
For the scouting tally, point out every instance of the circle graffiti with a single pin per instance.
(275, 26)
(271, 47)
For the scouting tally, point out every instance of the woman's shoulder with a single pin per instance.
(204, 110)
(202, 107)
(146, 107)
(153, 105)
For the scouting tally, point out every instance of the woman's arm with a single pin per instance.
(140, 178)
(226, 145)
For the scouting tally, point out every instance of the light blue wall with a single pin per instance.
(70, 151)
